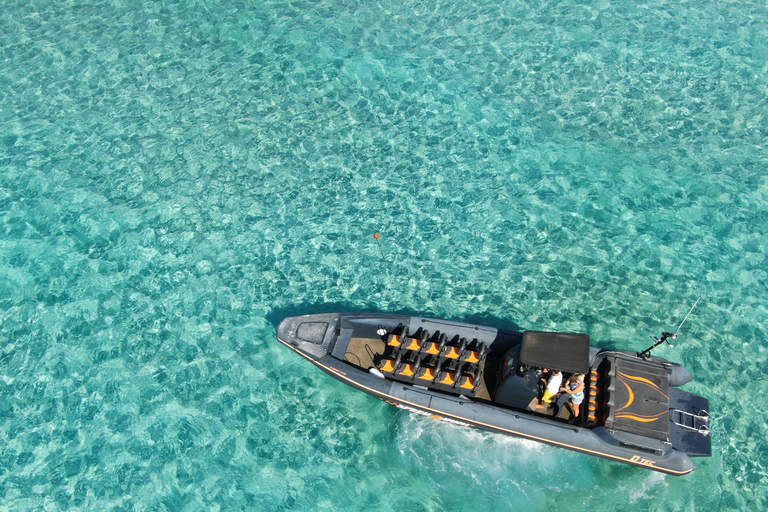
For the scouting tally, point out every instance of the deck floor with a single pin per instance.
(361, 351)
(562, 411)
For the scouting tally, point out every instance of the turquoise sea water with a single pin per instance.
(176, 177)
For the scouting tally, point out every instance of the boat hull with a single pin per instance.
(463, 410)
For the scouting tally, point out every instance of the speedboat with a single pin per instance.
(633, 409)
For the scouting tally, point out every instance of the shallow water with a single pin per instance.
(177, 177)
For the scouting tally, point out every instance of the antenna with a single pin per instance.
(686, 316)
(645, 354)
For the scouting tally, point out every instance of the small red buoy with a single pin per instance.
(376, 236)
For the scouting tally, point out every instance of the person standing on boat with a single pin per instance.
(574, 386)
(553, 388)
(543, 374)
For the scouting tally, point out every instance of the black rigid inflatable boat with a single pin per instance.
(633, 410)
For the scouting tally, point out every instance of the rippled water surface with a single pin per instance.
(176, 177)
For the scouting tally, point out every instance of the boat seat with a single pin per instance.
(417, 341)
(448, 374)
(454, 351)
(595, 388)
(409, 365)
(472, 356)
(447, 378)
(469, 382)
(413, 344)
(427, 374)
(434, 347)
(469, 377)
(387, 365)
(406, 370)
(474, 352)
(437, 360)
(396, 340)
(468, 368)
(451, 352)
(390, 360)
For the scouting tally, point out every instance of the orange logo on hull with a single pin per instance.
(639, 460)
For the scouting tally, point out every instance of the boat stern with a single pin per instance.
(311, 335)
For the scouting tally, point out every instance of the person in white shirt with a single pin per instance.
(553, 388)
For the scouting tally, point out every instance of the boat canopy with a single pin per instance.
(564, 351)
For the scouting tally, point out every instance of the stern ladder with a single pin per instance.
(698, 422)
